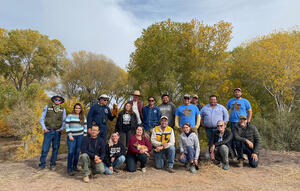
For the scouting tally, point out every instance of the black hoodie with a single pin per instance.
(114, 151)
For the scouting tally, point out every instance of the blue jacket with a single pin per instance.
(99, 114)
(151, 117)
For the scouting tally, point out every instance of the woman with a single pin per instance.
(138, 150)
(189, 148)
(126, 124)
(76, 127)
(115, 154)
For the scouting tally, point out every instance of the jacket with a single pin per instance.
(99, 114)
(151, 117)
(120, 127)
(99, 146)
(158, 136)
(114, 151)
(227, 140)
(192, 141)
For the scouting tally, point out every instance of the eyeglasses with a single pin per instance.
(151, 100)
(57, 99)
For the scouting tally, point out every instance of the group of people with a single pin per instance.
(142, 131)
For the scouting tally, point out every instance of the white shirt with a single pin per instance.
(136, 111)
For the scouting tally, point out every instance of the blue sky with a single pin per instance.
(110, 27)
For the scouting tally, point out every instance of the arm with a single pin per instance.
(238, 137)
(90, 117)
(147, 143)
(64, 121)
(154, 142)
(257, 141)
(84, 147)
(197, 147)
(249, 111)
(102, 150)
(110, 116)
(131, 146)
(181, 144)
(68, 130)
(225, 115)
(85, 127)
(225, 141)
(43, 116)
(177, 122)
(198, 121)
(118, 123)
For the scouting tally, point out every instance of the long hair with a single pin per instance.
(81, 114)
(143, 134)
(130, 111)
(110, 141)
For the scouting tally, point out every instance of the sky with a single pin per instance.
(110, 27)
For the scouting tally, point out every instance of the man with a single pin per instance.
(151, 116)
(238, 106)
(187, 113)
(210, 115)
(247, 142)
(163, 140)
(52, 122)
(100, 113)
(196, 102)
(221, 145)
(168, 109)
(137, 106)
(92, 153)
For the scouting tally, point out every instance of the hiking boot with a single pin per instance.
(187, 166)
(226, 166)
(144, 169)
(86, 179)
(193, 169)
(71, 173)
(52, 168)
(241, 163)
(170, 170)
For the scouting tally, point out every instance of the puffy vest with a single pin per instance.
(163, 136)
(53, 120)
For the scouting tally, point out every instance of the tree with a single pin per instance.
(27, 56)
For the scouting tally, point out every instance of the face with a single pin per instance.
(237, 93)
(194, 100)
(186, 129)
(243, 122)
(77, 109)
(164, 122)
(165, 99)
(135, 97)
(103, 101)
(139, 131)
(94, 131)
(115, 137)
(128, 107)
(151, 101)
(213, 101)
(187, 101)
(57, 101)
(221, 127)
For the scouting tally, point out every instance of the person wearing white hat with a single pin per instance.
(137, 106)
(100, 114)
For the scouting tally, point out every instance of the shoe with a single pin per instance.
(116, 170)
(52, 168)
(144, 169)
(226, 166)
(76, 169)
(187, 166)
(86, 179)
(241, 163)
(196, 167)
(207, 155)
(170, 170)
(71, 173)
(193, 169)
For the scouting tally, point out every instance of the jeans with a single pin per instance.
(242, 148)
(210, 134)
(124, 137)
(233, 127)
(131, 161)
(103, 133)
(160, 156)
(87, 163)
(116, 164)
(189, 156)
(221, 153)
(73, 152)
(54, 138)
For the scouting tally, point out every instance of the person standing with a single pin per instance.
(76, 128)
(187, 113)
(238, 106)
(196, 102)
(151, 116)
(52, 122)
(167, 108)
(210, 115)
(126, 124)
(100, 113)
(137, 106)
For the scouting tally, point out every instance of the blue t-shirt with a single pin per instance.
(237, 108)
(187, 114)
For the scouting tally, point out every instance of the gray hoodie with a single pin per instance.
(168, 110)
(191, 140)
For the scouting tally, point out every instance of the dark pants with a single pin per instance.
(210, 135)
(103, 133)
(131, 161)
(54, 138)
(124, 137)
(242, 148)
(189, 156)
(233, 127)
(73, 152)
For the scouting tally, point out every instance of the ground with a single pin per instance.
(277, 171)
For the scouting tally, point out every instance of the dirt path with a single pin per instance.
(277, 171)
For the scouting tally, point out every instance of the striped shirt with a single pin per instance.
(73, 126)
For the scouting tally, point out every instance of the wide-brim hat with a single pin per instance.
(58, 96)
(136, 93)
(103, 96)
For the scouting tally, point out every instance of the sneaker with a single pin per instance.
(86, 179)
(71, 173)
(170, 170)
(193, 169)
(207, 155)
(241, 163)
(226, 166)
(52, 168)
(144, 169)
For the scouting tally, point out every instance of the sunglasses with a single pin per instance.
(57, 99)
(186, 98)
(220, 125)
(105, 99)
(151, 100)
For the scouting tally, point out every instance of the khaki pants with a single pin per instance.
(87, 163)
